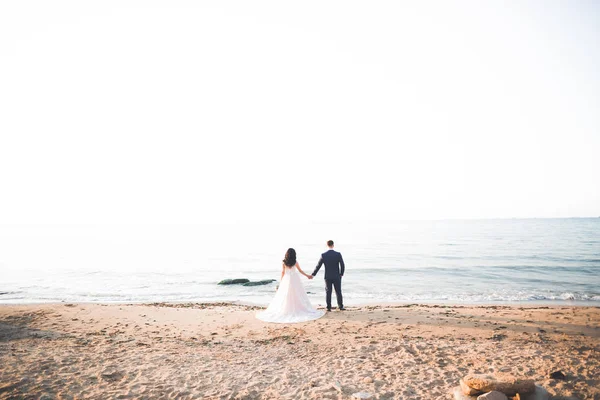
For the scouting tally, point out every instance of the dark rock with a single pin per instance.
(558, 375)
(258, 283)
(233, 281)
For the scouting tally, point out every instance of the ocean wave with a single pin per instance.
(351, 296)
(502, 296)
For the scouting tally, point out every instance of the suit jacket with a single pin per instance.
(334, 265)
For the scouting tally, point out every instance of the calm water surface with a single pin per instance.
(475, 261)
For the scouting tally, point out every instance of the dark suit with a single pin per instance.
(334, 270)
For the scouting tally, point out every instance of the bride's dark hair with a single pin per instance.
(290, 258)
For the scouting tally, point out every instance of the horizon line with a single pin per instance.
(269, 221)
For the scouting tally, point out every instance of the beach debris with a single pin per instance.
(539, 394)
(488, 387)
(459, 395)
(467, 390)
(493, 395)
(233, 281)
(362, 395)
(368, 379)
(487, 383)
(337, 386)
(258, 283)
(110, 374)
(559, 375)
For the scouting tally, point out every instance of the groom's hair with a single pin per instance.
(330, 243)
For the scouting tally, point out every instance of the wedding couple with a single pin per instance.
(291, 304)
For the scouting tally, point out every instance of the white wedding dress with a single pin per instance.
(290, 304)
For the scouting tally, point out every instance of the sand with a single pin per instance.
(220, 351)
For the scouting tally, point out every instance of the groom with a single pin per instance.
(334, 270)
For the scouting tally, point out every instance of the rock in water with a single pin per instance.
(510, 386)
(233, 281)
(493, 396)
(258, 283)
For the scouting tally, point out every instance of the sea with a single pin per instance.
(496, 261)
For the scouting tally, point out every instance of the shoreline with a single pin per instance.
(532, 303)
(221, 351)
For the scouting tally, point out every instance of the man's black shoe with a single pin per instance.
(329, 309)
(342, 309)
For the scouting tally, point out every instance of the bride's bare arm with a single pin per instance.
(302, 272)
(282, 271)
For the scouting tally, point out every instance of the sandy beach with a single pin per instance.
(220, 351)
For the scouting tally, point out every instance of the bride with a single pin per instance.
(290, 304)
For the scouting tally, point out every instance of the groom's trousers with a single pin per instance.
(337, 285)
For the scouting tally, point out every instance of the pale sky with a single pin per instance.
(210, 111)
